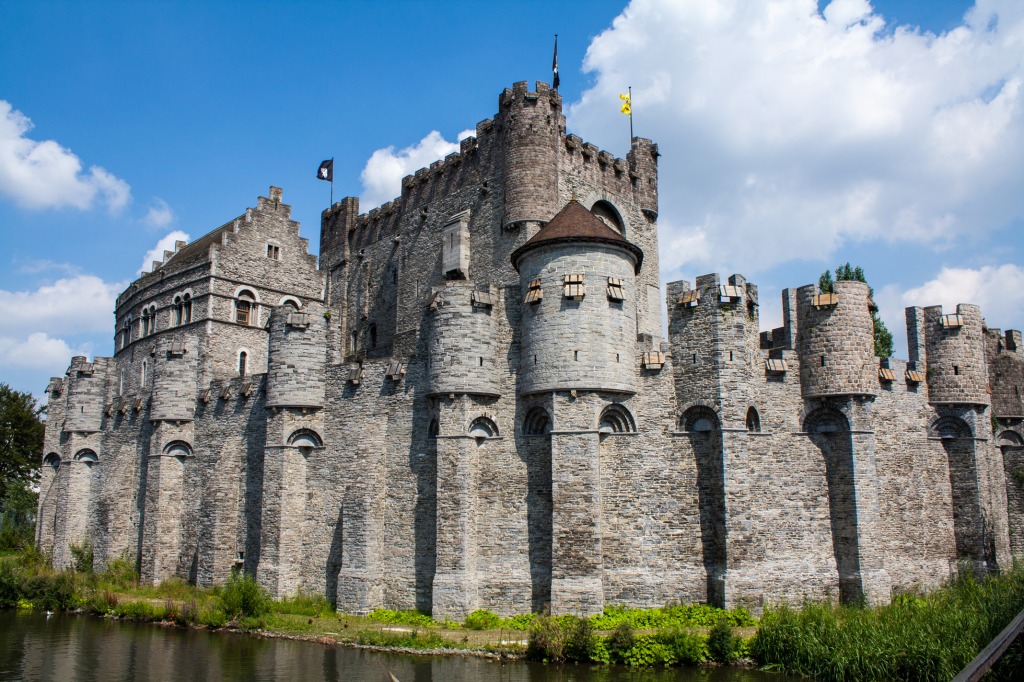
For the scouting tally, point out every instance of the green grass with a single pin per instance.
(917, 637)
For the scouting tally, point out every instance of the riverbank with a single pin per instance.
(922, 636)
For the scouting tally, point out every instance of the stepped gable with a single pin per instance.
(574, 223)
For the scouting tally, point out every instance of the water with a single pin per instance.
(66, 647)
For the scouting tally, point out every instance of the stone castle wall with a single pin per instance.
(407, 430)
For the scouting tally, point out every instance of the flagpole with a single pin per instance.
(630, 116)
(331, 205)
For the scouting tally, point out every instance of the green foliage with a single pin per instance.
(414, 639)
(926, 637)
(521, 622)
(82, 556)
(314, 605)
(21, 441)
(723, 645)
(825, 284)
(482, 620)
(622, 639)
(137, 610)
(410, 617)
(213, 618)
(17, 517)
(562, 639)
(243, 597)
(673, 616)
(120, 572)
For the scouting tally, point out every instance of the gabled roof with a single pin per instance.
(574, 223)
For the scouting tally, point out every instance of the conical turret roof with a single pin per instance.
(574, 223)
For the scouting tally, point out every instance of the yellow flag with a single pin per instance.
(626, 108)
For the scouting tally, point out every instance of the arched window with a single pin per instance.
(186, 308)
(178, 448)
(753, 420)
(616, 419)
(483, 428)
(291, 303)
(434, 429)
(145, 322)
(245, 307)
(537, 422)
(1011, 438)
(242, 359)
(373, 336)
(142, 374)
(826, 420)
(87, 456)
(951, 427)
(355, 340)
(305, 440)
(608, 215)
(700, 419)
(120, 386)
(128, 330)
(178, 310)
(52, 460)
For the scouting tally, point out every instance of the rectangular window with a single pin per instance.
(534, 294)
(273, 251)
(574, 287)
(615, 292)
(243, 312)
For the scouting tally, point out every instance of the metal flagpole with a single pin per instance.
(332, 168)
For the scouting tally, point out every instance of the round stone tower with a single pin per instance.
(578, 290)
(461, 340)
(296, 356)
(836, 341)
(955, 347)
(532, 125)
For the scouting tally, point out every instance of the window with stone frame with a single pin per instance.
(186, 308)
(245, 308)
(273, 251)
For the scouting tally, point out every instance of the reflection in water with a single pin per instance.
(63, 647)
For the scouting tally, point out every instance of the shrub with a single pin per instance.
(242, 597)
(482, 620)
(212, 618)
(620, 642)
(121, 572)
(722, 644)
(561, 639)
(520, 622)
(188, 614)
(82, 556)
(314, 605)
(137, 610)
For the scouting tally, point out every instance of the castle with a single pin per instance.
(469, 402)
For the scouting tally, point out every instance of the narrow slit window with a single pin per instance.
(615, 291)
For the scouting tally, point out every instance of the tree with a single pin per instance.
(847, 273)
(21, 445)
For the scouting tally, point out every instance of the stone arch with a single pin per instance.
(1011, 438)
(305, 438)
(537, 422)
(178, 448)
(609, 215)
(753, 420)
(950, 427)
(291, 301)
(52, 460)
(615, 418)
(247, 305)
(700, 419)
(826, 420)
(87, 455)
(483, 428)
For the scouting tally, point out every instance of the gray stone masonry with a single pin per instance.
(414, 421)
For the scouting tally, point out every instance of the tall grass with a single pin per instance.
(916, 637)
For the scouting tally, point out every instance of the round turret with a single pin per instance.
(296, 356)
(533, 126)
(836, 341)
(174, 381)
(579, 306)
(461, 340)
(85, 397)
(955, 348)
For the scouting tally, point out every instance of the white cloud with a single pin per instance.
(157, 252)
(37, 351)
(46, 175)
(998, 289)
(786, 133)
(70, 305)
(159, 214)
(383, 173)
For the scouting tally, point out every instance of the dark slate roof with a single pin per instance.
(574, 223)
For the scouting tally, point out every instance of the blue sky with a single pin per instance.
(794, 135)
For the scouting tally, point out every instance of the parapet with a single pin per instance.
(835, 341)
(954, 353)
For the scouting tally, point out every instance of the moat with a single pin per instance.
(69, 647)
